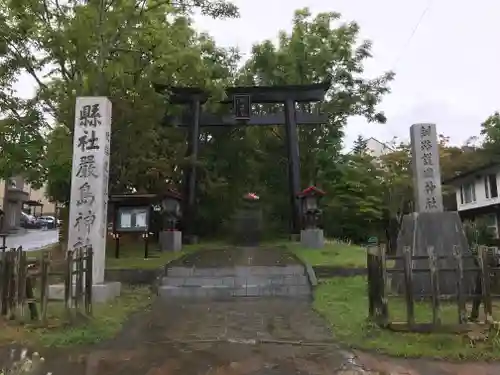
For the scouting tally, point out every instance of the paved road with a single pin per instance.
(33, 239)
(241, 336)
(237, 337)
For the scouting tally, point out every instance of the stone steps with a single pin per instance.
(235, 271)
(245, 281)
(236, 281)
(224, 291)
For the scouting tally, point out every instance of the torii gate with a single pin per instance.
(242, 99)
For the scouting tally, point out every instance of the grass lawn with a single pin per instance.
(107, 320)
(333, 254)
(132, 255)
(38, 253)
(344, 303)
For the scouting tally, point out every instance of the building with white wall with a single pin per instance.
(377, 148)
(477, 194)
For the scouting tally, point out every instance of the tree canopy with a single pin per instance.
(72, 49)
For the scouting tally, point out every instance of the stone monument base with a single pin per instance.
(312, 238)
(171, 240)
(100, 292)
(443, 231)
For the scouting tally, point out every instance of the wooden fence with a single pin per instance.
(78, 282)
(403, 266)
(3, 241)
(24, 283)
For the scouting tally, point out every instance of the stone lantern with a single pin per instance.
(311, 236)
(170, 236)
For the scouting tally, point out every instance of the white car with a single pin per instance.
(47, 221)
(28, 221)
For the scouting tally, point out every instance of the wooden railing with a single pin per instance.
(403, 269)
(78, 282)
(24, 284)
(3, 242)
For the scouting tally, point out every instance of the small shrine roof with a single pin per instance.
(311, 190)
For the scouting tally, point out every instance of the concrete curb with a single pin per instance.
(311, 275)
(132, 276)
(338, 271)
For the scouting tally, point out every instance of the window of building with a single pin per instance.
(468, 193)
(492, 223)
(490, 186)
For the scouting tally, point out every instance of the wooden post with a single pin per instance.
(21, 287)
(88, 281)
(146, 245)
(384, 308)
(44, 285)
(459, 275)
(68, 283)
(9, 276)
(434, 276)
(371, 264)
(408, 278)
(78, 282)
(91, 280)
(117, 244)
(81, 262)
(3, 281)
(485, 280)
(15, 285)
(31, 296)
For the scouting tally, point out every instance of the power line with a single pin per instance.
(414, 31)
(406, 46)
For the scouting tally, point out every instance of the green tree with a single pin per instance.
(355, 206)
(58, 162)
(117, 53)
(22, 146)
(360, 145)
(397, 189)
(490, 129)
(319, 48)
(144, 46)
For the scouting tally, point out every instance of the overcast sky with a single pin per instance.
(447, 73)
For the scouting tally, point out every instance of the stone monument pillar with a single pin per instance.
(89, 191)
(429, 225)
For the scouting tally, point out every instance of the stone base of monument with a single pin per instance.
(443, 231)
(100, 292)
(312, 238)
(171, 240)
